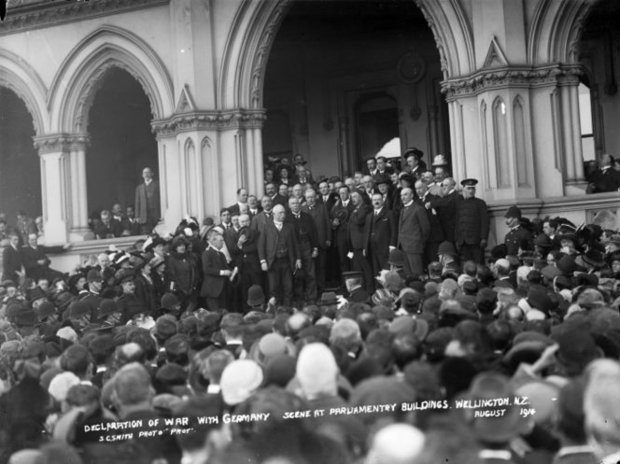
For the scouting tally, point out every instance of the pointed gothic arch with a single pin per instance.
(19, 76)
(85, 67)
(250, 39)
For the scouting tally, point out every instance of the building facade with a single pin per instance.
(493, 84)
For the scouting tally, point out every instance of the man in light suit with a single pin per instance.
(216, 273)
(413, 232)
(279, 255)
(147, 204)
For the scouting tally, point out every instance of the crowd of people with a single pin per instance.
(355, 320)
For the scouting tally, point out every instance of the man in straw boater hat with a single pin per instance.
(440, 168)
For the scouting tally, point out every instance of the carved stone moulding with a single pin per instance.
(512, 76)
(209, 120)
(32, 14)
(56, 143)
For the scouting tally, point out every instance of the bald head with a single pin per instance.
(279, 213)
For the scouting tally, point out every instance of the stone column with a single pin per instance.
(575, 182)
(54, 153)
(79, 195)
(205, 156)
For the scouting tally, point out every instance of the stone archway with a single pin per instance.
(251, 37)
(256, 25)
(20, 77)
(82, 72)
(70, 98)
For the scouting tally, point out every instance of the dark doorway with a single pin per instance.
(377, 124)
(327, 57)
(20, 168)
(122, 143)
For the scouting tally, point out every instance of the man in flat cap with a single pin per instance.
(472, 224)
(517, 235)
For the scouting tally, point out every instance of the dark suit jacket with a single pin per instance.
(606, 181)
(413, 229)
(231, 237)
(472, 221)
(280, 200)
(252, 215)
(212, 263)
(331, 201)
(381, 230)
(260, 220)
(268, 241)
(359, 295)
(437, 235)
(446, 209)
(11, 263)
(234, 209)
(305, 229)
(321, 220)
(357, 223)
(132, 227)
(342, 213)
(112, 229)
(30, 256)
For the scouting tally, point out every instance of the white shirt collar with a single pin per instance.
(495, 454)
(566, 450)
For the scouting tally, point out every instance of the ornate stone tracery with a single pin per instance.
(60, 143)
(209, 120)
(513, 76)
(32, 14)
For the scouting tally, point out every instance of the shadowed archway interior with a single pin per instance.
(329, 62)
(121, 142)
(20, 171)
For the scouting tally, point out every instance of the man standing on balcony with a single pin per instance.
(605, 179)
(147, 204)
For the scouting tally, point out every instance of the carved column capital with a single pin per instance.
(54, 143)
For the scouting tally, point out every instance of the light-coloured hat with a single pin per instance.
(439, 160)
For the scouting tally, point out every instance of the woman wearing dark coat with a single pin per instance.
(182, 272)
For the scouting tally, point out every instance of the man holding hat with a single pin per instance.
(472, 224)
(353, 282)
(517, 234)
(217, 273)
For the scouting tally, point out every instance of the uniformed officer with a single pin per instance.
(517, 235)
(472, 224)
